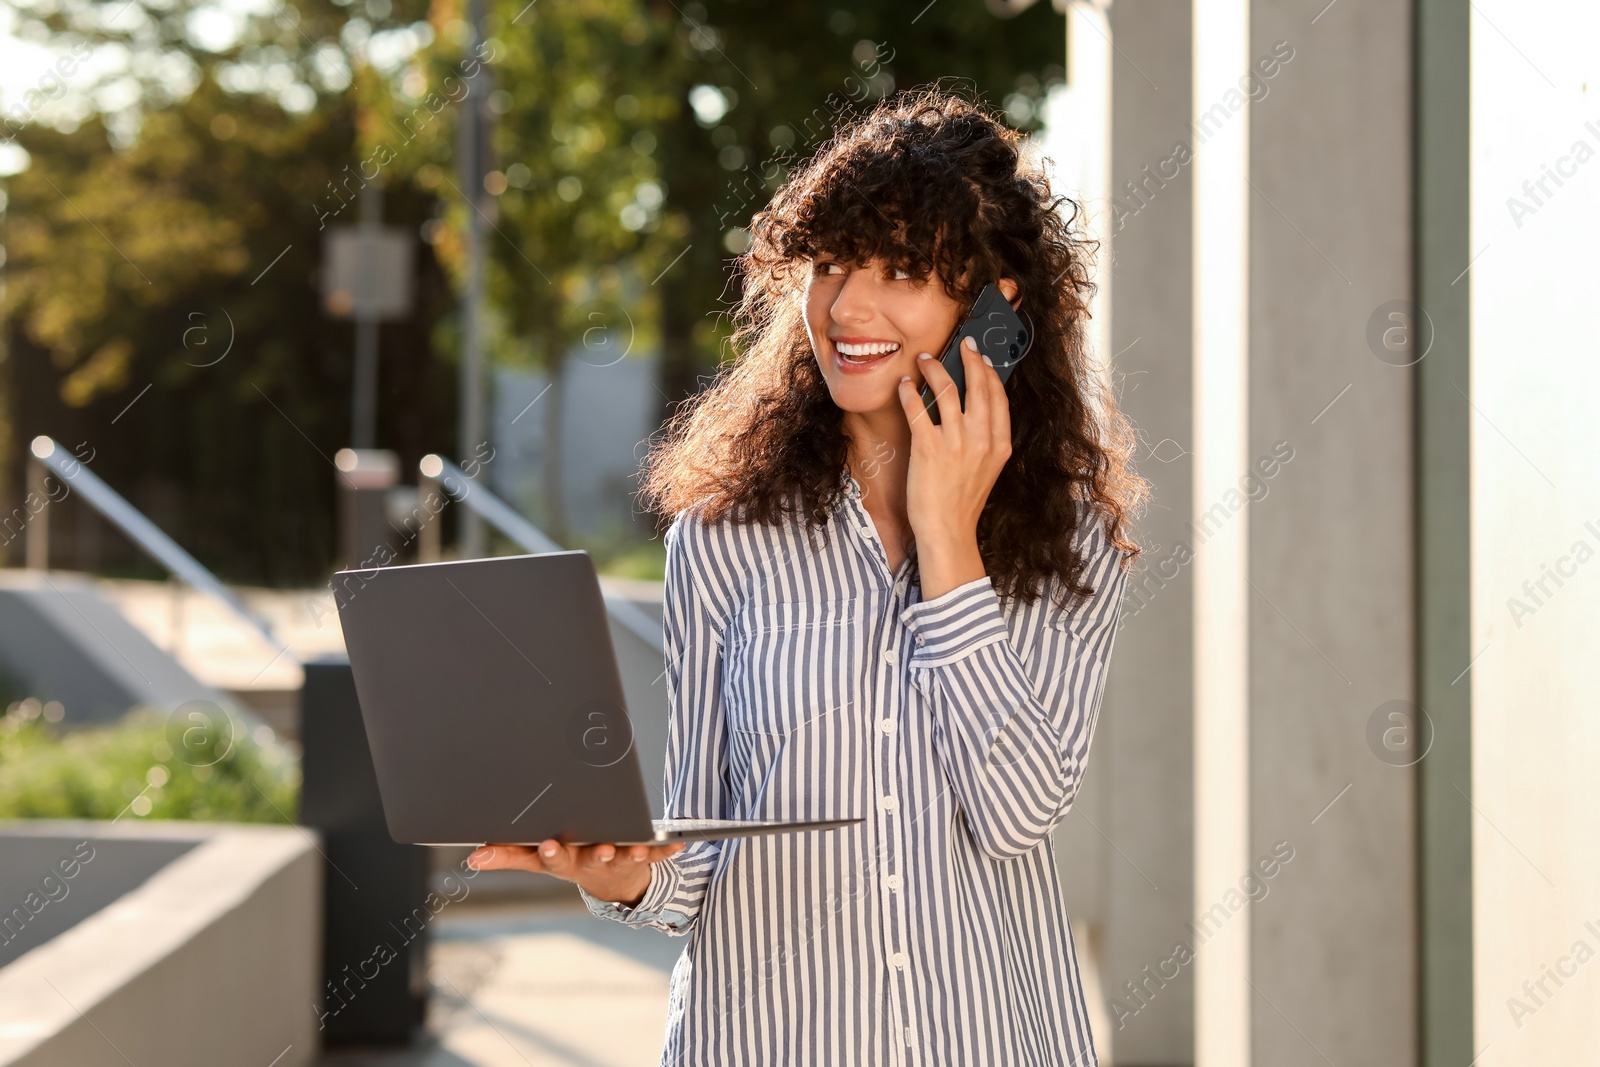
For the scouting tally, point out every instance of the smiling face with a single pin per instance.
(867, 323)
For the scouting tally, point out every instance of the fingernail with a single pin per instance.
(905, 377)
(925, 355)
(548, 850)
(988, 362)
(605, 859)
(970, 343)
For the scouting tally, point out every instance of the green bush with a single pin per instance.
(147, 765)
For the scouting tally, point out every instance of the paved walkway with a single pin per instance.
(537, 985)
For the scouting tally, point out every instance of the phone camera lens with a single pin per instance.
(1013, 351)
(1022, 337)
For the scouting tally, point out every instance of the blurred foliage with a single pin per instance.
(631, 142)
(181, 254)
(129, 769)
(760, 86)
(646, 561)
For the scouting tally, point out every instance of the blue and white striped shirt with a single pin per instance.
(808, 682)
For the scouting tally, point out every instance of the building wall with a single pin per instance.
(1144, 746)
(1331, 600)
(1535, 530)
(607, 404)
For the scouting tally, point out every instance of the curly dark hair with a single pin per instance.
(929, 182)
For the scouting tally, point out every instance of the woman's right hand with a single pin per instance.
(619, 874)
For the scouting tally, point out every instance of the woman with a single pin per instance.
(871, 615)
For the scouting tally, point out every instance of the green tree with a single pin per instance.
(160, 299)
(771, 83)
(638, 136)
(576, 227)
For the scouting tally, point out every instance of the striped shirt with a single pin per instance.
(806, 681)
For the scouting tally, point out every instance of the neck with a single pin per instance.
(880, 459)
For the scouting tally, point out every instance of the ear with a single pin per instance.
(1008, 289)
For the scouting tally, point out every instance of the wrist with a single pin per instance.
(625, 893)
(946, 565)
(945, 536)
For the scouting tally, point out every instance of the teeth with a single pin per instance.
(878, 348)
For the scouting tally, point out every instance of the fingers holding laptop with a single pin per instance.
(608, 872)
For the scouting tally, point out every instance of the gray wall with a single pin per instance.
(48, 884)
(213, 959)
(607, 406)
(1144, 751)
(1333, 947)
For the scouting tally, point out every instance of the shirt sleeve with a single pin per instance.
(696, 776)
(1013, 731)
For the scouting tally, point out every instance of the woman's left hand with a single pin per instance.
(953, 466)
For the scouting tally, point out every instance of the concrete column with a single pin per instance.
(1303, 519)
(1330, 581)
(1143, 750)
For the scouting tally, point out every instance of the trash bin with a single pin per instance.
(375, 921)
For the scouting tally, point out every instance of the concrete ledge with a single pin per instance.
(214, 959)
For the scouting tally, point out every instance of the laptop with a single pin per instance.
(494, 708)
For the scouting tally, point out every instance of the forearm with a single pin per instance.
(1003, 751)
(946, 560)
(1013, 731)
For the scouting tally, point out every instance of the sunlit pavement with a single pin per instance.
(537, 985)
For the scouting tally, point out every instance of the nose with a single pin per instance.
(857, 299)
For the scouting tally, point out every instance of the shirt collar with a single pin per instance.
(848, 483)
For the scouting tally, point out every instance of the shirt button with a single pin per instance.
(892, 881)
(919, 639)
(886, 725)
(868, 529)
(898, 959)
(888, 803)
(889, 655)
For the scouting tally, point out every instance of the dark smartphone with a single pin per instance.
(1001, 335)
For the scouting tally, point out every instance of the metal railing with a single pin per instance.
(435, 471)
(440, 472)
(149, 537)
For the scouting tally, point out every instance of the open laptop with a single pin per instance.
(494, 708)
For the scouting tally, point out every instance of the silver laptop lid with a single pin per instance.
(492, 702)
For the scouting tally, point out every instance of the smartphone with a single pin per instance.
(1001, 335)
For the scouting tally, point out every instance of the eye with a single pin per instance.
(826, 267)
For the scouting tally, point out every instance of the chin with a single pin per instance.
(864, 397)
